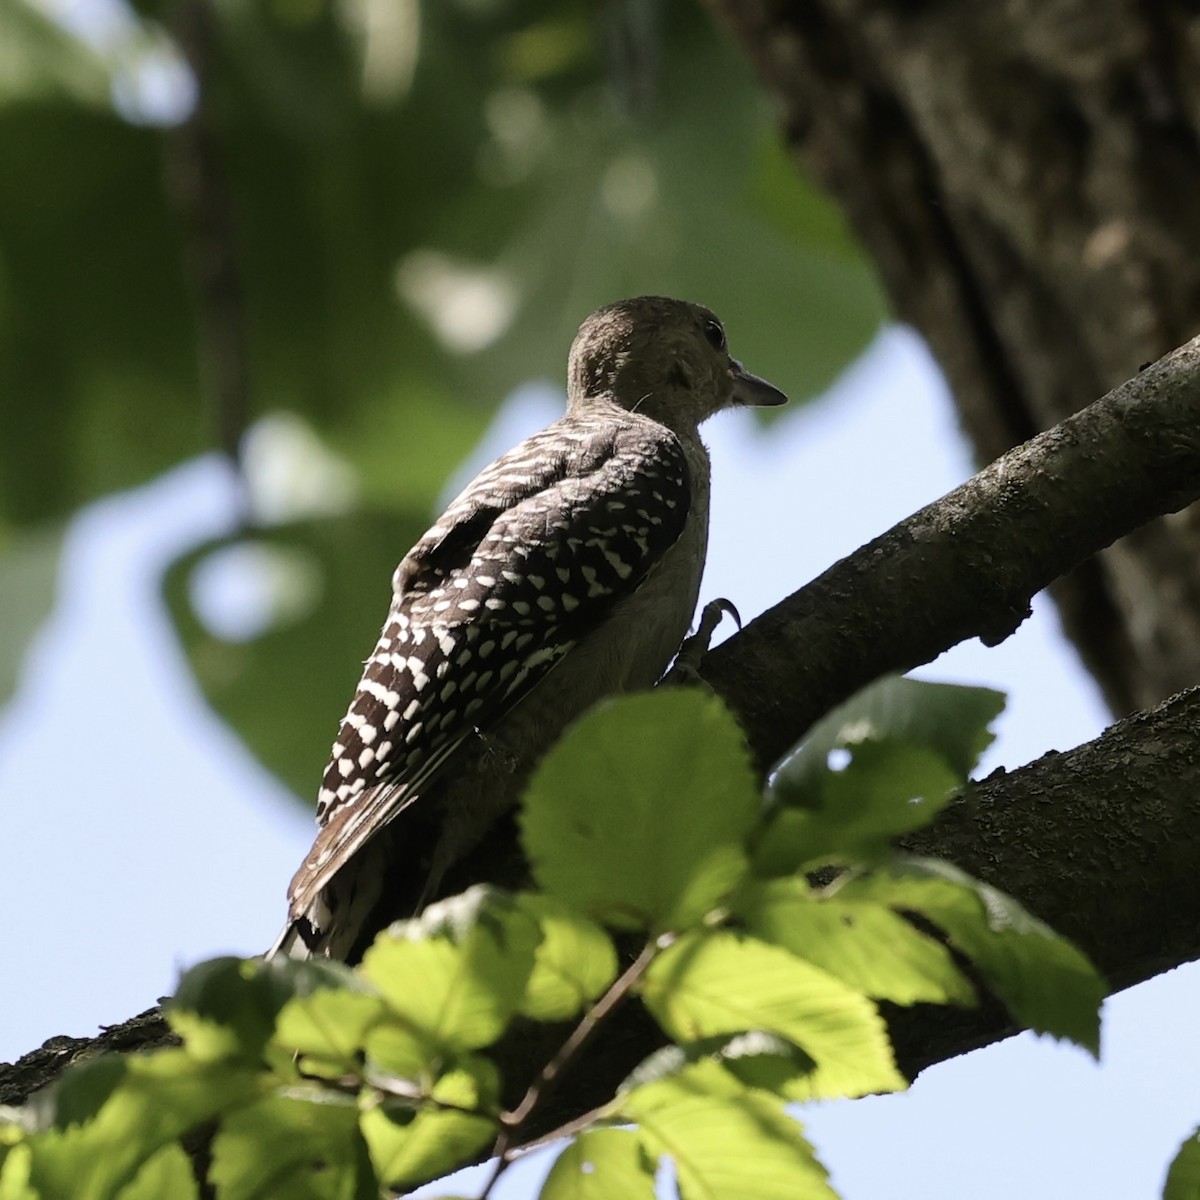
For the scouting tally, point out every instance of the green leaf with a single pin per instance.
(408, 1148)
(1045, 982)
(574, 962)
(950, 719)
(326, 1017)
(473, 955)
(15, 1123)
(39, 58)
(15, 1127)
(548, 196)
(28, 577)
(861, 942)
(97, 349)
(80, 1093)
(637, 816)
(599, 1165)
(303, 1145)
(324, 210)
(398, 1050)
(887, 789)
(328, 1028)
(161, 1097)
(307, 976)
(727, 1142)
(722, 983)
(15, 1166)
(167, 1173)
(757, 1059)
(226, 1007)
(1183, 1176)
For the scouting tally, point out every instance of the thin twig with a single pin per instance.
(552, 1071)
(565, 1130)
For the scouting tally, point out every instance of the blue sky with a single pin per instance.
(140, 836)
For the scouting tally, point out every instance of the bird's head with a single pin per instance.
(665, 358)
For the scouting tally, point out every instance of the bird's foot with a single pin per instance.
(686, 670)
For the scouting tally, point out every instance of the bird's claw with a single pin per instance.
(686, 670)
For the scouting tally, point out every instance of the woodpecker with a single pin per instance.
(566, 571)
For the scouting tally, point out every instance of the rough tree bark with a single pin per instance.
(1021, 171)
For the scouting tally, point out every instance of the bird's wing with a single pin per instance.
(528, 559)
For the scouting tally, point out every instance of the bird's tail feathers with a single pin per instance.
(290, 943)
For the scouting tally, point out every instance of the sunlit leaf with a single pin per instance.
(226, 1007)
(574, 962)
(638, 814)
(473, 956)
(408, 1147)
(721, 983)
(726, 1142)
(296, 1145)
(861, 942)
(329, 1028)
(80, 1093)
(15, 1166)
(758, 1059)
(1047, 984)
(601, 1164)
(169, 1172)
(850, 815)
(161, 1097)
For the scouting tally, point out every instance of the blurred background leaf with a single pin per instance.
(39, 59)
(28, 570)
(419, 203)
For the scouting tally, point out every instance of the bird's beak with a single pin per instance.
(752, 391)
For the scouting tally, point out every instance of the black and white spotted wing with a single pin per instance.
(527, 560)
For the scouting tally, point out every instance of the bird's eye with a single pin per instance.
(714, 333)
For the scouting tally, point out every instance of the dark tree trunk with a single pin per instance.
(1025, 176)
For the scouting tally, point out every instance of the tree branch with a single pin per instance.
(968, 564)
(1058, 833)
(1100, 843)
